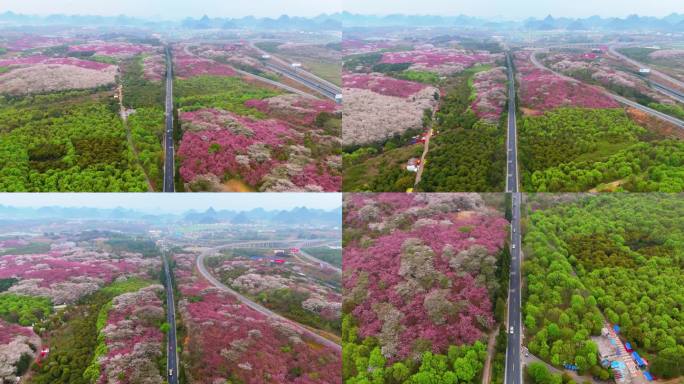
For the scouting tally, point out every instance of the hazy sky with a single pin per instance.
(507, 9)
(175, 9)
(175, 203)
(517, 9)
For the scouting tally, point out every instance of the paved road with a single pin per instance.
(512, 180)
(673, 93)
(274, 83)
(263, 310)
(169, 162)
(530, 358)
(513, 373)
(172, 349)
(308, 79)
(320, 262)
(654, 72)
(650, 111)
(301, 79)
(277, 243)
(662, 88)
(187, 51)
(673, 120)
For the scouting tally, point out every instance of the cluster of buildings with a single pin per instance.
(627, 365)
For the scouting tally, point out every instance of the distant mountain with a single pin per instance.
(210, 216)
(335, 21)
(322, 22)
(300, 215)
(8, 212)
(671, 22)
(241, 218)
(357, 20)
(284, 22)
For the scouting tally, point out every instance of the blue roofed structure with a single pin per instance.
(638, 359)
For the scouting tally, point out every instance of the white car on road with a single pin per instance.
(511, 331)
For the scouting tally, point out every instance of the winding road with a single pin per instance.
(315, 260)
(169, 161)
(261, 309)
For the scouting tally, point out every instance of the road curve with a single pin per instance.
(316, 260)
(172, 344)
(261, 309)
(673, 120)
(169, 165)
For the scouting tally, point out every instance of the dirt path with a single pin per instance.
(612, 186)
(129, 138)
(426, 148)
(487, 370)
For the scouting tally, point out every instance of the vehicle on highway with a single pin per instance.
(513, 246)
(170, 372)
(511, 330)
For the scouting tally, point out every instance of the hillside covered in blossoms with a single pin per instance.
(228, 340)
(411, 102)
(238, 134)
(422, 276)
(114, 108)
(80, 309)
